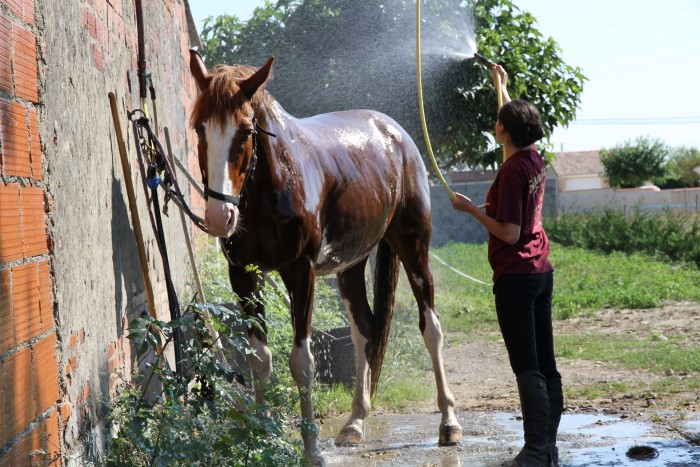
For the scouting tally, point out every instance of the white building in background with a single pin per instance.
(579, 170)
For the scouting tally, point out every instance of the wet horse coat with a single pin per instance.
(325, 191)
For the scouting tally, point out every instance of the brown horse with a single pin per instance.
(324, 192)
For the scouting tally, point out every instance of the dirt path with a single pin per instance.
(481, 378)
(594, 431)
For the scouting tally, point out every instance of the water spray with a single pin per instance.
(490, 65)
(419, 78)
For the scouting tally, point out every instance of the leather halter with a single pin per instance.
(236, 200)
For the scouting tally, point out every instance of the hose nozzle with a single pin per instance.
(484, 61)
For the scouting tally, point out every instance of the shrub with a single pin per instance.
(668, 236)
(631, 164)
(206, 417)
(684, 165)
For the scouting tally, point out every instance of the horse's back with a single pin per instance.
(372, 179)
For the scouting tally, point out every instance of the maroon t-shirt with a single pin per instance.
(516, 197)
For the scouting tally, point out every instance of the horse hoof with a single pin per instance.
(349, 436)
(317, 460)
(450, 435)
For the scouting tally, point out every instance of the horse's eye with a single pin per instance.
(247, 134)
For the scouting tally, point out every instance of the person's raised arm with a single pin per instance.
(499, 74)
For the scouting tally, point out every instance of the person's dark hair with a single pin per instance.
(522, 122)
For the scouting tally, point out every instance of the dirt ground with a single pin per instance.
(481, 379)
(593, 431)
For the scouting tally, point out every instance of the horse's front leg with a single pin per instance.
(299, 280)
(351, 284)
(245, 285)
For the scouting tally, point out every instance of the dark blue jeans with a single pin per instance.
(524, 308)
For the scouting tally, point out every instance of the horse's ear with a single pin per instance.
(198, 69)
(257, 79)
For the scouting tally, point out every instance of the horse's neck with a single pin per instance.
(274, 119)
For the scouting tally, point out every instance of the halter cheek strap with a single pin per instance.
(236, 200)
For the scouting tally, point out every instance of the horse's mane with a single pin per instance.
(221, 97)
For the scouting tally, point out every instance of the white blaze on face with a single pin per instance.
(221, 217)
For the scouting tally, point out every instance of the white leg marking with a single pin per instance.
(301, 364)
(353, 431)
(432, 336)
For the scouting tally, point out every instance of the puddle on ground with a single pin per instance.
(492, 438)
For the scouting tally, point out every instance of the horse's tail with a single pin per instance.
(386, 276)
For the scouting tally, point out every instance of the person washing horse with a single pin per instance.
(518, 251)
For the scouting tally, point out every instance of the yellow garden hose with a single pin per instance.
(420, 105)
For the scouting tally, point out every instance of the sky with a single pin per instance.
(641, 58)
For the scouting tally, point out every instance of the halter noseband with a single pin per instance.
(236, 200)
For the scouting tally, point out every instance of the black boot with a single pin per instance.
(556, 407)
(534, 404)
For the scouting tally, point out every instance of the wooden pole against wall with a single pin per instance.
(133, 209)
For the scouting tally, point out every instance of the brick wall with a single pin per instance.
(29, 384)
(69, 273)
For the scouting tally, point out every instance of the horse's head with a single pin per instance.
(223, 116)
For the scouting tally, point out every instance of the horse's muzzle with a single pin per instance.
(221, 218)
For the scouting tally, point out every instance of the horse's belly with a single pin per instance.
(336, 256)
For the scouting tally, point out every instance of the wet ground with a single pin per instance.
(491, 438)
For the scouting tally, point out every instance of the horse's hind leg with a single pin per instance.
(413, 253)
(351, 284)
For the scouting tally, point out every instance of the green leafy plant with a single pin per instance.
(684, 168)
(666, 236)
(206, 416)
(632, 163)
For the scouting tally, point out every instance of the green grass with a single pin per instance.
(645, 352)
(585, 281)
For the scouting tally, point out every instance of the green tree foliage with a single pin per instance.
(632, 163)
(342, 54)
(684, 168)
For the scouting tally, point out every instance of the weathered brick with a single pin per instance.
(3, 427)
(97, 57)
(14, 5)
(7, 330)
(14, 134)
(73, 341)
(89, 22)
(5, 55)
(11, 457)
(51, 440)
(28, 11)
(10, 223)
(33, 221)
(19, 394)
(35, 145)
(25, 300)
(117, 5)
(100, 7)
(29, 448)
(45, 302)
(45, 373)
(22, 8)
(25, 64)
